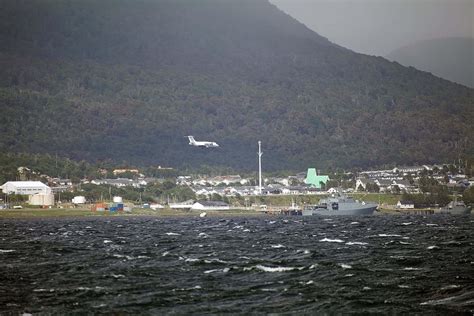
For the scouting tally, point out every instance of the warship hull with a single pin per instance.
(457, 210)
(368, 209)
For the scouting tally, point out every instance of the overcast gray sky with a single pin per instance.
(377, 27)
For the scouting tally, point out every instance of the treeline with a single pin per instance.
(468, 196)
(37, 166)
(43, 164)
(164, 192)
(440, 198)
(438, 194)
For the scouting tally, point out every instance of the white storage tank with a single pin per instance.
(79, 200)
(41, 199)
(118, 199)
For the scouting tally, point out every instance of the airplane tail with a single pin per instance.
(191, 140)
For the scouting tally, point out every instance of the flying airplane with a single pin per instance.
(203, 144)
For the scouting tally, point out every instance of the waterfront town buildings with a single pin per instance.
(396, 180)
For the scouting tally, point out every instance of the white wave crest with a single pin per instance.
(450, 300)
(450, 287)
(214, 261)
(277, 246)
(274, 269)
(225, 270)
(331, 240)
(129, 257)
(350, 243)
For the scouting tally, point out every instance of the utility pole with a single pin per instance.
(260, 167)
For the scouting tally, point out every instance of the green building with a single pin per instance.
(314, 180)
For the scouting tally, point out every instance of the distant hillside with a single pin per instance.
(448, 58)
(128, 79)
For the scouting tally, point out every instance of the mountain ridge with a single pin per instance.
(451, 58)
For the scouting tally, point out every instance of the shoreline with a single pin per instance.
(31, 213)
(57, 213)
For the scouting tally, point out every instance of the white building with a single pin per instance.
(210, 206)
(41, 199)
(182, 205)
(25, 187)
(79, 199)
(332, 191)
(405, 205)
(156, 206)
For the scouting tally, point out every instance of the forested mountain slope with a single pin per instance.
(127, 80)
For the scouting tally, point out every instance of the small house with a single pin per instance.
(405, 205)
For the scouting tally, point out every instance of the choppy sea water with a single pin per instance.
(292, 265)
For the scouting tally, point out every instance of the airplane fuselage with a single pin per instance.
(202, 144)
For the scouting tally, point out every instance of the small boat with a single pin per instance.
(340, 204)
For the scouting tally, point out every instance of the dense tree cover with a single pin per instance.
(44, 164)
(439, 197)
(40, 165)
(428, 184)
(125, 80)
(373, 187)
(468, 196)
(13, 198)
(164, 192)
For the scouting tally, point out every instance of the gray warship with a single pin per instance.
(456, 208)
(339, 204)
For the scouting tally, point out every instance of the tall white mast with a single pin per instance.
(260, 167)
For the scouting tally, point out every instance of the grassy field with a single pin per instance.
(53, 212)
